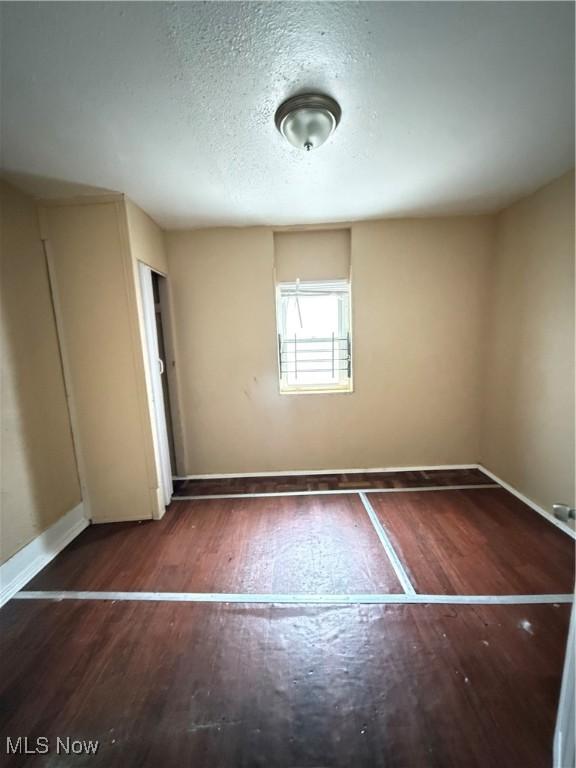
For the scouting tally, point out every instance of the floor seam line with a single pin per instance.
(348, 491)
(386, 542)
(295, 598)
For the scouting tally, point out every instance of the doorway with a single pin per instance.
(154, 293)
(160, 288)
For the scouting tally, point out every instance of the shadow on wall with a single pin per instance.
(39, 479)
(50, 187)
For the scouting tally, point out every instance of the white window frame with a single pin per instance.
(345, 383)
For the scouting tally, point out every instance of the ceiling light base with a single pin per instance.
(306, 121)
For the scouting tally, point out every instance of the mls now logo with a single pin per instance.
(70, 746)
(22, 745)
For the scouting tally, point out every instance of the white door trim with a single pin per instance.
(564, 737)
(154, 382)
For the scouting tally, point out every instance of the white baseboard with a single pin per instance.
(532, 504)
(297, 472)
(25, 564)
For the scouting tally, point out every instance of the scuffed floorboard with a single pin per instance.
(233, 686)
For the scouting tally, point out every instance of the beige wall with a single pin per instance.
(463, 335)
(147, 246)
(528, 436)
(306, 255)
(96, 295)
(38, 476)
(146, 238)
(418, 290)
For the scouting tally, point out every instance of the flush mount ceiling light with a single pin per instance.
(307, 121)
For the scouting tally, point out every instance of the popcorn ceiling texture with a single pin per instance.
(447, 107)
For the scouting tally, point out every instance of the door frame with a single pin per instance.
(564, 737)
(154, 384)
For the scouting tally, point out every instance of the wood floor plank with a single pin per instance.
(330, 482)
(476, 542)
(215, 686)
(306, 544)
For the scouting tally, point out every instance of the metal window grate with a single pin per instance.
(331, 355)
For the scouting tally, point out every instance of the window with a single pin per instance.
(314, 341)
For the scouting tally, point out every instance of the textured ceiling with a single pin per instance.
(447, 107)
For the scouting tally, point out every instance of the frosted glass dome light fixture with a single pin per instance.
(306, 121)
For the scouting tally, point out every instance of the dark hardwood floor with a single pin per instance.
(476, 542)
(239, 686)
(450, 542)
(232, 685)
(314, 544)
(330, 482)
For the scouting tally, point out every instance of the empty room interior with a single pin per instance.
(288, 384)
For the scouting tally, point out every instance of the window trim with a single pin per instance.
(324, 388)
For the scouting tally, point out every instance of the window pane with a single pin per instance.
(313, 323)
(318, 316)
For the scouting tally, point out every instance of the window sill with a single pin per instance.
(347, 390)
